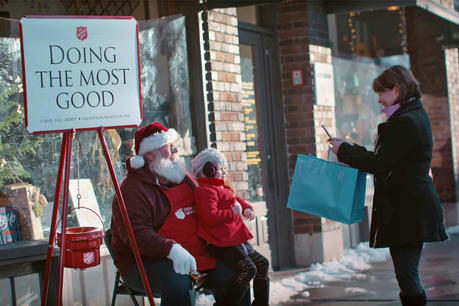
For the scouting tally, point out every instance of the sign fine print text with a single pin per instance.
(80, 73)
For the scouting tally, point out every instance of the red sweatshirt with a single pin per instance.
(147, 208)
(218, 224)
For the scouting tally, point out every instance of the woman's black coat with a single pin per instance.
(406, 207)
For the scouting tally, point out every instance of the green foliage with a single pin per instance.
(16, 146)
(37, 209)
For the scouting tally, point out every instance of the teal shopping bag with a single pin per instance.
(327, 189)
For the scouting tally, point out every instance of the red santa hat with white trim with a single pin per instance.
(150, 138)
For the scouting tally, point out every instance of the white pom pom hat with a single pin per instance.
(208, 155)
(150, 138)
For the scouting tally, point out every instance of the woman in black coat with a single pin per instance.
(406, 208)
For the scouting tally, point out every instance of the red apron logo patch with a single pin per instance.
(183, 212)
(88, 258)
(82, 33)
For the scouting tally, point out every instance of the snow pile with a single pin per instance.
(346, 267)
(281, 291)
(356, 290)
(453, 230)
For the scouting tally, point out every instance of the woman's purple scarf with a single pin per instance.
(390, 110)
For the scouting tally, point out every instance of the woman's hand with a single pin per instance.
(249, 214)
(335, 143)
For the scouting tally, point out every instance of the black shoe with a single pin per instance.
(261, 292)
(419, 299)
(233, 295)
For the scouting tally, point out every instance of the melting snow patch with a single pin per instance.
(453, 230)
(280, 293)
(346, 267)
(293, 284)
(355, 290)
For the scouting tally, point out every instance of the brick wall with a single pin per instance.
(317, 23)
(452, 69)
(427, 59)
(303, 40)
(293, 36)
(323, 114)
(223, 87)
(24, 196)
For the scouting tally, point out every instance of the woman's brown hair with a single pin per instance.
(403, 79)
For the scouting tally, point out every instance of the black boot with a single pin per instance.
(419, 299)
(233, 295)
(261, 292)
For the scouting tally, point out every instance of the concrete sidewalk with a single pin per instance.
(439, 270)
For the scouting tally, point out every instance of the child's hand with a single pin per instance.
(237, 208)
(249, 214)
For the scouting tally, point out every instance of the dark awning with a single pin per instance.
(211, 4)
(341, 6)
(451, 35)
(336, 6)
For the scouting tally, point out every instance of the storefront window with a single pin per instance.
(358, 112)
(254, 166)
(29, 163)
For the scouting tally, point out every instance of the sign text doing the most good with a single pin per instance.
(82, 74)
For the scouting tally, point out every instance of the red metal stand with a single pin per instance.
(52, 233)
(65, 160)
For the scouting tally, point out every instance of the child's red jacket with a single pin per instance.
(218, 224)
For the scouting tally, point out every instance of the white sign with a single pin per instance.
(297, 77)
(80, 73)
(323, 84)
(88, 200)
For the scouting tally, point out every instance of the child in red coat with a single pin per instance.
(220, 224)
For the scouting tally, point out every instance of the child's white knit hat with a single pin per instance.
(207, 155)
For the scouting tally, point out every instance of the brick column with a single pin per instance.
(452, 69)
(298, 101)
(303, 37)
(223, 87)
(427, 59)
(26, 197)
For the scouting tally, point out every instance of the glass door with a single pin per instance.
(266, 148)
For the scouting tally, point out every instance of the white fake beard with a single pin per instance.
(173, 171)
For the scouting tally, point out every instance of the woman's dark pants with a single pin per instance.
(406, 262)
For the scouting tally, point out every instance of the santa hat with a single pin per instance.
(150, 138)
(208, 155)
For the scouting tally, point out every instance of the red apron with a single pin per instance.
(181, 224)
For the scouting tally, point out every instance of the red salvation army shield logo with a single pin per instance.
(88, 258)
(82, 33)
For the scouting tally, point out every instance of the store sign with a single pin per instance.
(80, 73)
(323, 84)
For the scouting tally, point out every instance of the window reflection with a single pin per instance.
(358, 112)
(253, 142)
(29, 163)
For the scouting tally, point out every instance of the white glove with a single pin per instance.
(237, 208)
(183, 261)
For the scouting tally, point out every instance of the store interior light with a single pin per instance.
(393, 8)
